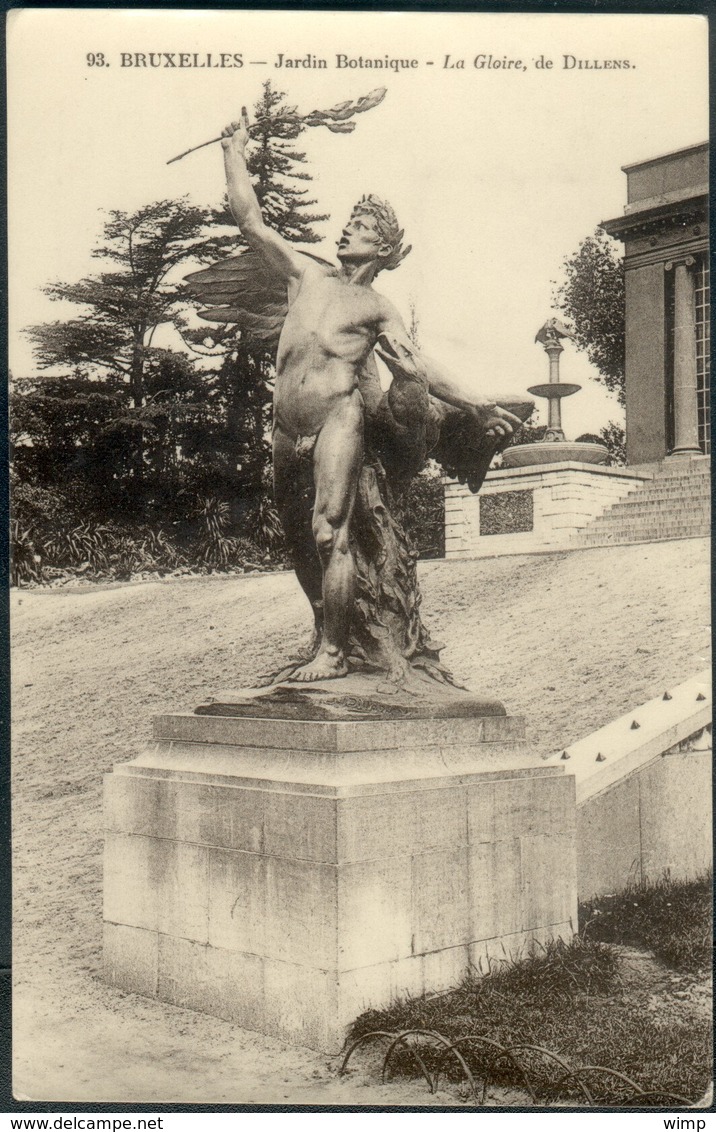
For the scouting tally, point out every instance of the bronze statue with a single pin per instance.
(552, 332)
(344, 451)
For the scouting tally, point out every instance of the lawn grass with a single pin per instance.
(672, 919)
(570, 999)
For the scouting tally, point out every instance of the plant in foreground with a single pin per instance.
(674, 919)
(569, 999)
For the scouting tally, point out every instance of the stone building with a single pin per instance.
(664, 490)
(665, 234)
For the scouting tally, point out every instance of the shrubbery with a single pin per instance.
(48, 541)
(424, 514)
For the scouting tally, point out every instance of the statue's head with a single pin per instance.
(372, 233)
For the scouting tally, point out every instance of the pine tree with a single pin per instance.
(124, 307)
(272, 164)
(116, 418)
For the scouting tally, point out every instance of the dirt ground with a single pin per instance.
(567, 640)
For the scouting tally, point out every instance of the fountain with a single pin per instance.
(555, 448)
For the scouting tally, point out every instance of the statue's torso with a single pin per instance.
(330, 329)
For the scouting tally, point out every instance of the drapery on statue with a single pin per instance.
(344, 452)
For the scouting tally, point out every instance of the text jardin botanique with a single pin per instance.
(482, 62)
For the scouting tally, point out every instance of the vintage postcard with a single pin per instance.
(360, 376)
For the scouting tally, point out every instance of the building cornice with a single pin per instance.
(689, 208)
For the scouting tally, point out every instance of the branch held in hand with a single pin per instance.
(338, 119)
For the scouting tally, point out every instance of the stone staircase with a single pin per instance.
(676, 503)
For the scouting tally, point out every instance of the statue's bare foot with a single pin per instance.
(326, 666)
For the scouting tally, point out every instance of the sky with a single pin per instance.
(496, 173)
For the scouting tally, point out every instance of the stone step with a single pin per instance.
(675, 482)
(646, 534)
(638, 536)
(657, 506)
(677, 499)
(654, 519)
(703, 499)
(703, 483)
(675, 504)
(644, 507)
(646, 530)
(666, 495)
(695, 468)
(697, 506)
(630, 541)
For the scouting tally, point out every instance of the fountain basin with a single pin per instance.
(554, 452)
(554, 389)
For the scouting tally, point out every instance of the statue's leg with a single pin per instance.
(293, 493)
(337, 461)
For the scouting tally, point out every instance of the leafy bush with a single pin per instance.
(90, 550)
(86, 547)
(265, 530)
(529, 434)
(214, 547)
(424, 514)
(33, 505)
(25, 562)
(614, 437)
(589, 438)
(48, 543)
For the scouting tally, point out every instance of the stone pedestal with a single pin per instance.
(287, 874)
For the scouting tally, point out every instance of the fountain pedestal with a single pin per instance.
(544, 494)
(542, 507)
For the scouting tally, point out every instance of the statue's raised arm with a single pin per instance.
(277, 254)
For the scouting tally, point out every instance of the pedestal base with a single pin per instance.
(288, 874)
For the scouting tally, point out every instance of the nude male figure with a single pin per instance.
(334, 321)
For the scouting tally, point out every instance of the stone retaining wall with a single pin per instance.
(545, 506)
(644, 792)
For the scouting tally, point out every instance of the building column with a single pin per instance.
(686, 414)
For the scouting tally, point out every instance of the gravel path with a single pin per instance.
(568, 640)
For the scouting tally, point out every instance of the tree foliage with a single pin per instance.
(591, 296)
(122, 308)
(423, 513)
(614, 436)
(273, 166)
(124, 432)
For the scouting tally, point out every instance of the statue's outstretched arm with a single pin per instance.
(406, 362)
(277, 254)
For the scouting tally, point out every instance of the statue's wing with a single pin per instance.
(242, 290)
(463, 448)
